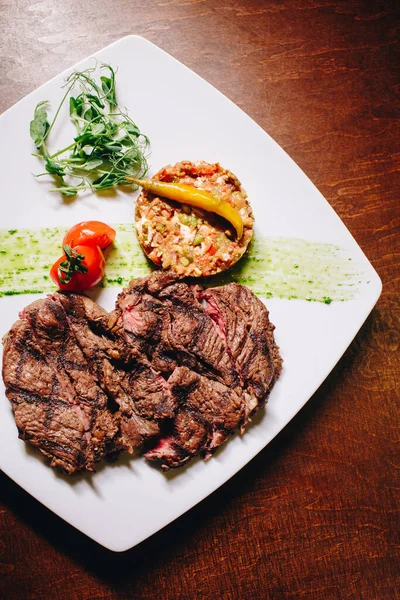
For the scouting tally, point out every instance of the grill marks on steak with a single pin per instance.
(216, 351)
(207, 413)
(175, 369)
(167, 322)
(136, 388)
(243, 322)
(76, 391)
(58, 407)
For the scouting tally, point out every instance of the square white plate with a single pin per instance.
(185, 118)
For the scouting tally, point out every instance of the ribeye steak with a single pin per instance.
(174, 370)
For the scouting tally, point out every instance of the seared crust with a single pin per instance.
(174, 370)
(58, 405)
(188, 240)
(215, 350)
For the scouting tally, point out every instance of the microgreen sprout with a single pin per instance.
(108, 147)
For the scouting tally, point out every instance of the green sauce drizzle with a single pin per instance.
(272, 267)
(294, 268)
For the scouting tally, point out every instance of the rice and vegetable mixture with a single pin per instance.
(187, 239)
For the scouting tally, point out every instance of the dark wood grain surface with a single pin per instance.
(316, 514)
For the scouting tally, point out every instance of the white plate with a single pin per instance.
(185, 118)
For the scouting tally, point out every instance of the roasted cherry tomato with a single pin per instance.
(90, 233)
(79, 269)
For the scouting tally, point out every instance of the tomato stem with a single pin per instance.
(70, 266)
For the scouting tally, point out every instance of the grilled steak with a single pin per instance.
(58, 404)
(174, 370)
(215, 350)
(76, 390)
(126, 376)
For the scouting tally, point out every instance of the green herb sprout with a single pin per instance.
(108, 146)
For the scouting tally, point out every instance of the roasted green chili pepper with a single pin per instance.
(188, 194)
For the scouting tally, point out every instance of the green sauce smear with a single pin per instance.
(273, 267)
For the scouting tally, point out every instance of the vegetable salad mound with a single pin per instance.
(186, 239)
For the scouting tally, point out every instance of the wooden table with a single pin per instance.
(315, 515)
